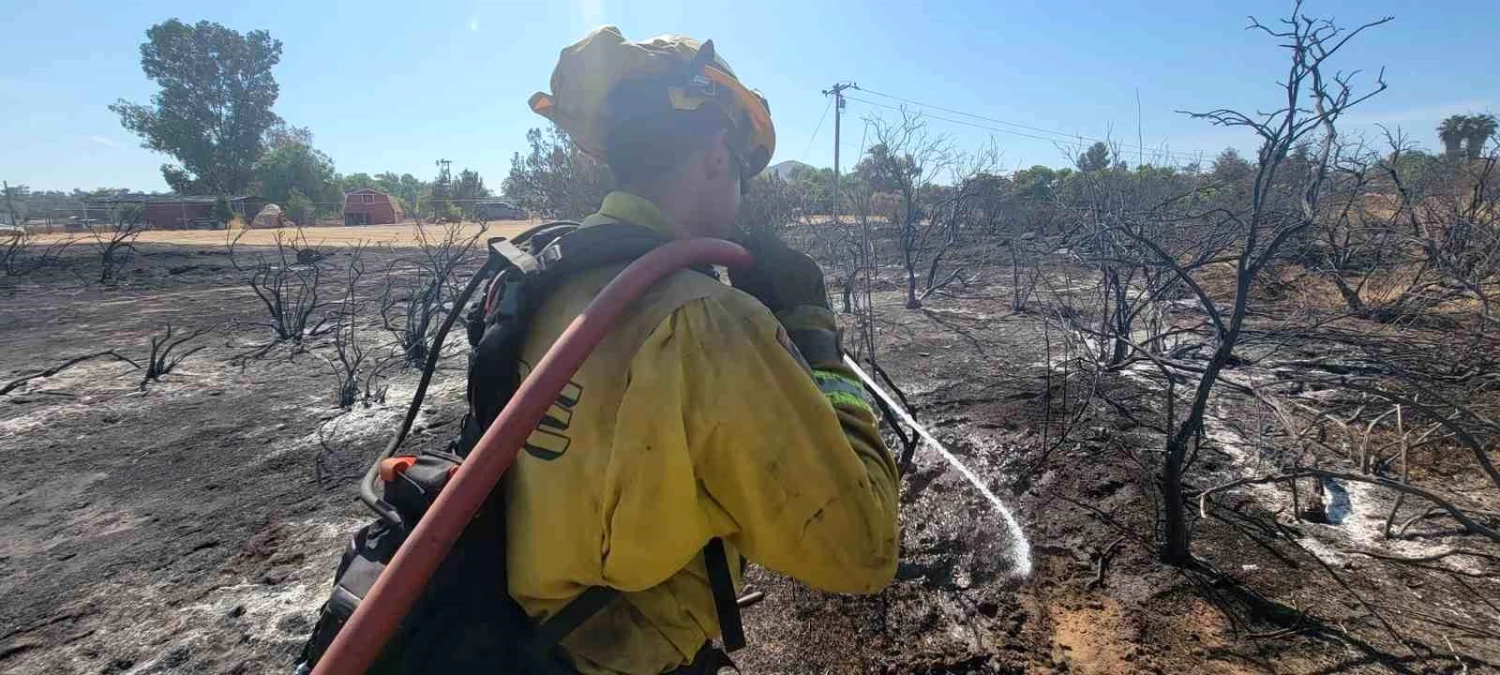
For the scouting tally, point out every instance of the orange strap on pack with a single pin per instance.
(395, 466)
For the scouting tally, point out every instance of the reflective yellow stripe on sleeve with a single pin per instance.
(841, 390)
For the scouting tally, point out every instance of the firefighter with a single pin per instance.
(712, 410)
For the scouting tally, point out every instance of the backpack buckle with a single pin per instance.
(551, 254)
(512, 254)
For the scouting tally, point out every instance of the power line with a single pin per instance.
(992, 120)
(927, 115)
(819, 127)
(978, 117)
(1178, 155)
(954, 121)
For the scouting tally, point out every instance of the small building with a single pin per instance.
(180, 212)
(497, 210)
(184, 212)
(77, 220)
(371, 207)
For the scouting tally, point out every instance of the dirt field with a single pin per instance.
(405, 234)
(192, 526)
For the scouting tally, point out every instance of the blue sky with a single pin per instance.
(387, 85)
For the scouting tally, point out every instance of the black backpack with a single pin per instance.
(466, 621)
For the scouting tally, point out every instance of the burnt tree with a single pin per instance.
(1280, 207)
(162, 360)
(289, 284)
(416, 292)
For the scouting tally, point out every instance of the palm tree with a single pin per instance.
(1479, 130)
(1453, 131)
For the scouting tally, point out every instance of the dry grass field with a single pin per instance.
(403, 235)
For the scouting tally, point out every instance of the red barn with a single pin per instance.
(371, 207)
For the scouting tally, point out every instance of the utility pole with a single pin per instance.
(442, 190)
(10, 204)
(838, 108)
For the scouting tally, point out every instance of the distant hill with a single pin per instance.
(783, 170)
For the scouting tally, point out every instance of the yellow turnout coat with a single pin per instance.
(695, 418)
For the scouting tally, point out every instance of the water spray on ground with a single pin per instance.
(1020, 551)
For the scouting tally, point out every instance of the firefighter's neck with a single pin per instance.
(697, 204)
(679, 209)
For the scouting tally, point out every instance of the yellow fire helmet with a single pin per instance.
(605, 80)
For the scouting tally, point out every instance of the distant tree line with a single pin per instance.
(214, 114)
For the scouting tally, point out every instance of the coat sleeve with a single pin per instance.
(790, 467)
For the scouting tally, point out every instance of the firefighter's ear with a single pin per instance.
(714, 157)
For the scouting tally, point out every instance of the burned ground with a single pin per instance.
(192, 525)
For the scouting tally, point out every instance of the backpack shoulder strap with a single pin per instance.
(570, 617)
(595, 598)
(586, 248)
(515, 253)
(536, 261)
(726, 605)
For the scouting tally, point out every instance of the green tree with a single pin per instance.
(406, 187)
(1032, 194)
(1033, 185)
(14, 202)
(281, 135)
(884, 171)
(1230, 179)
(214, 106)
(359, 181)
(555, 179)
(299, 208)
(1230, 168)
(388, 183)
(1452, 132)
(298, 168)
(816, 186)
(222, 214)
(1096, 158)
(1465, 135)
(468, 189)
(1479, 131)
(440, 194)
(1418, 171)
(38, 203)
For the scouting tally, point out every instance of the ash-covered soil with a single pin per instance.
(192, 526)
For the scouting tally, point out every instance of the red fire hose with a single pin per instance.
(393, 594)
